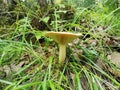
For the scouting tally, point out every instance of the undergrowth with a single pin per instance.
(29, 60)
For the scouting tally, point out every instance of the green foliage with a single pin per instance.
(112, 5)
(85, 3)
(10, 51)
(89, 54)
(36, 62)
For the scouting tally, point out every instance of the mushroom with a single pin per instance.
(62, 38)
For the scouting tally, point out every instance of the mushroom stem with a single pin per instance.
(62, 53)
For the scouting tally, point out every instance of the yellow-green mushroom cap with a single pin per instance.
(62, 37)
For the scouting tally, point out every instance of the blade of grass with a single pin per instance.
(6, 82)
(95, 87)
(26, 85)
(78, 81)
(52, 85)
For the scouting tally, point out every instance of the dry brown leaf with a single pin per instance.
(14, 67)
(115, 58)
(7, 69)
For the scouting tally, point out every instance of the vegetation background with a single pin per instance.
(29, 60)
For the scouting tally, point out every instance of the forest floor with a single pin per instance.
(29, 59)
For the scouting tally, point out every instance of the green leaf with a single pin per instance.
(39, 34)
(45, 19)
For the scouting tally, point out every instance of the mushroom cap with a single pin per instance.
(62, 37)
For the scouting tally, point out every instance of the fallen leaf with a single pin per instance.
(7, 70)
(115, 58)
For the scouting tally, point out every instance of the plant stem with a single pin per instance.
(56, 25)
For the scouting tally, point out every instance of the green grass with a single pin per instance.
(29, 60)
